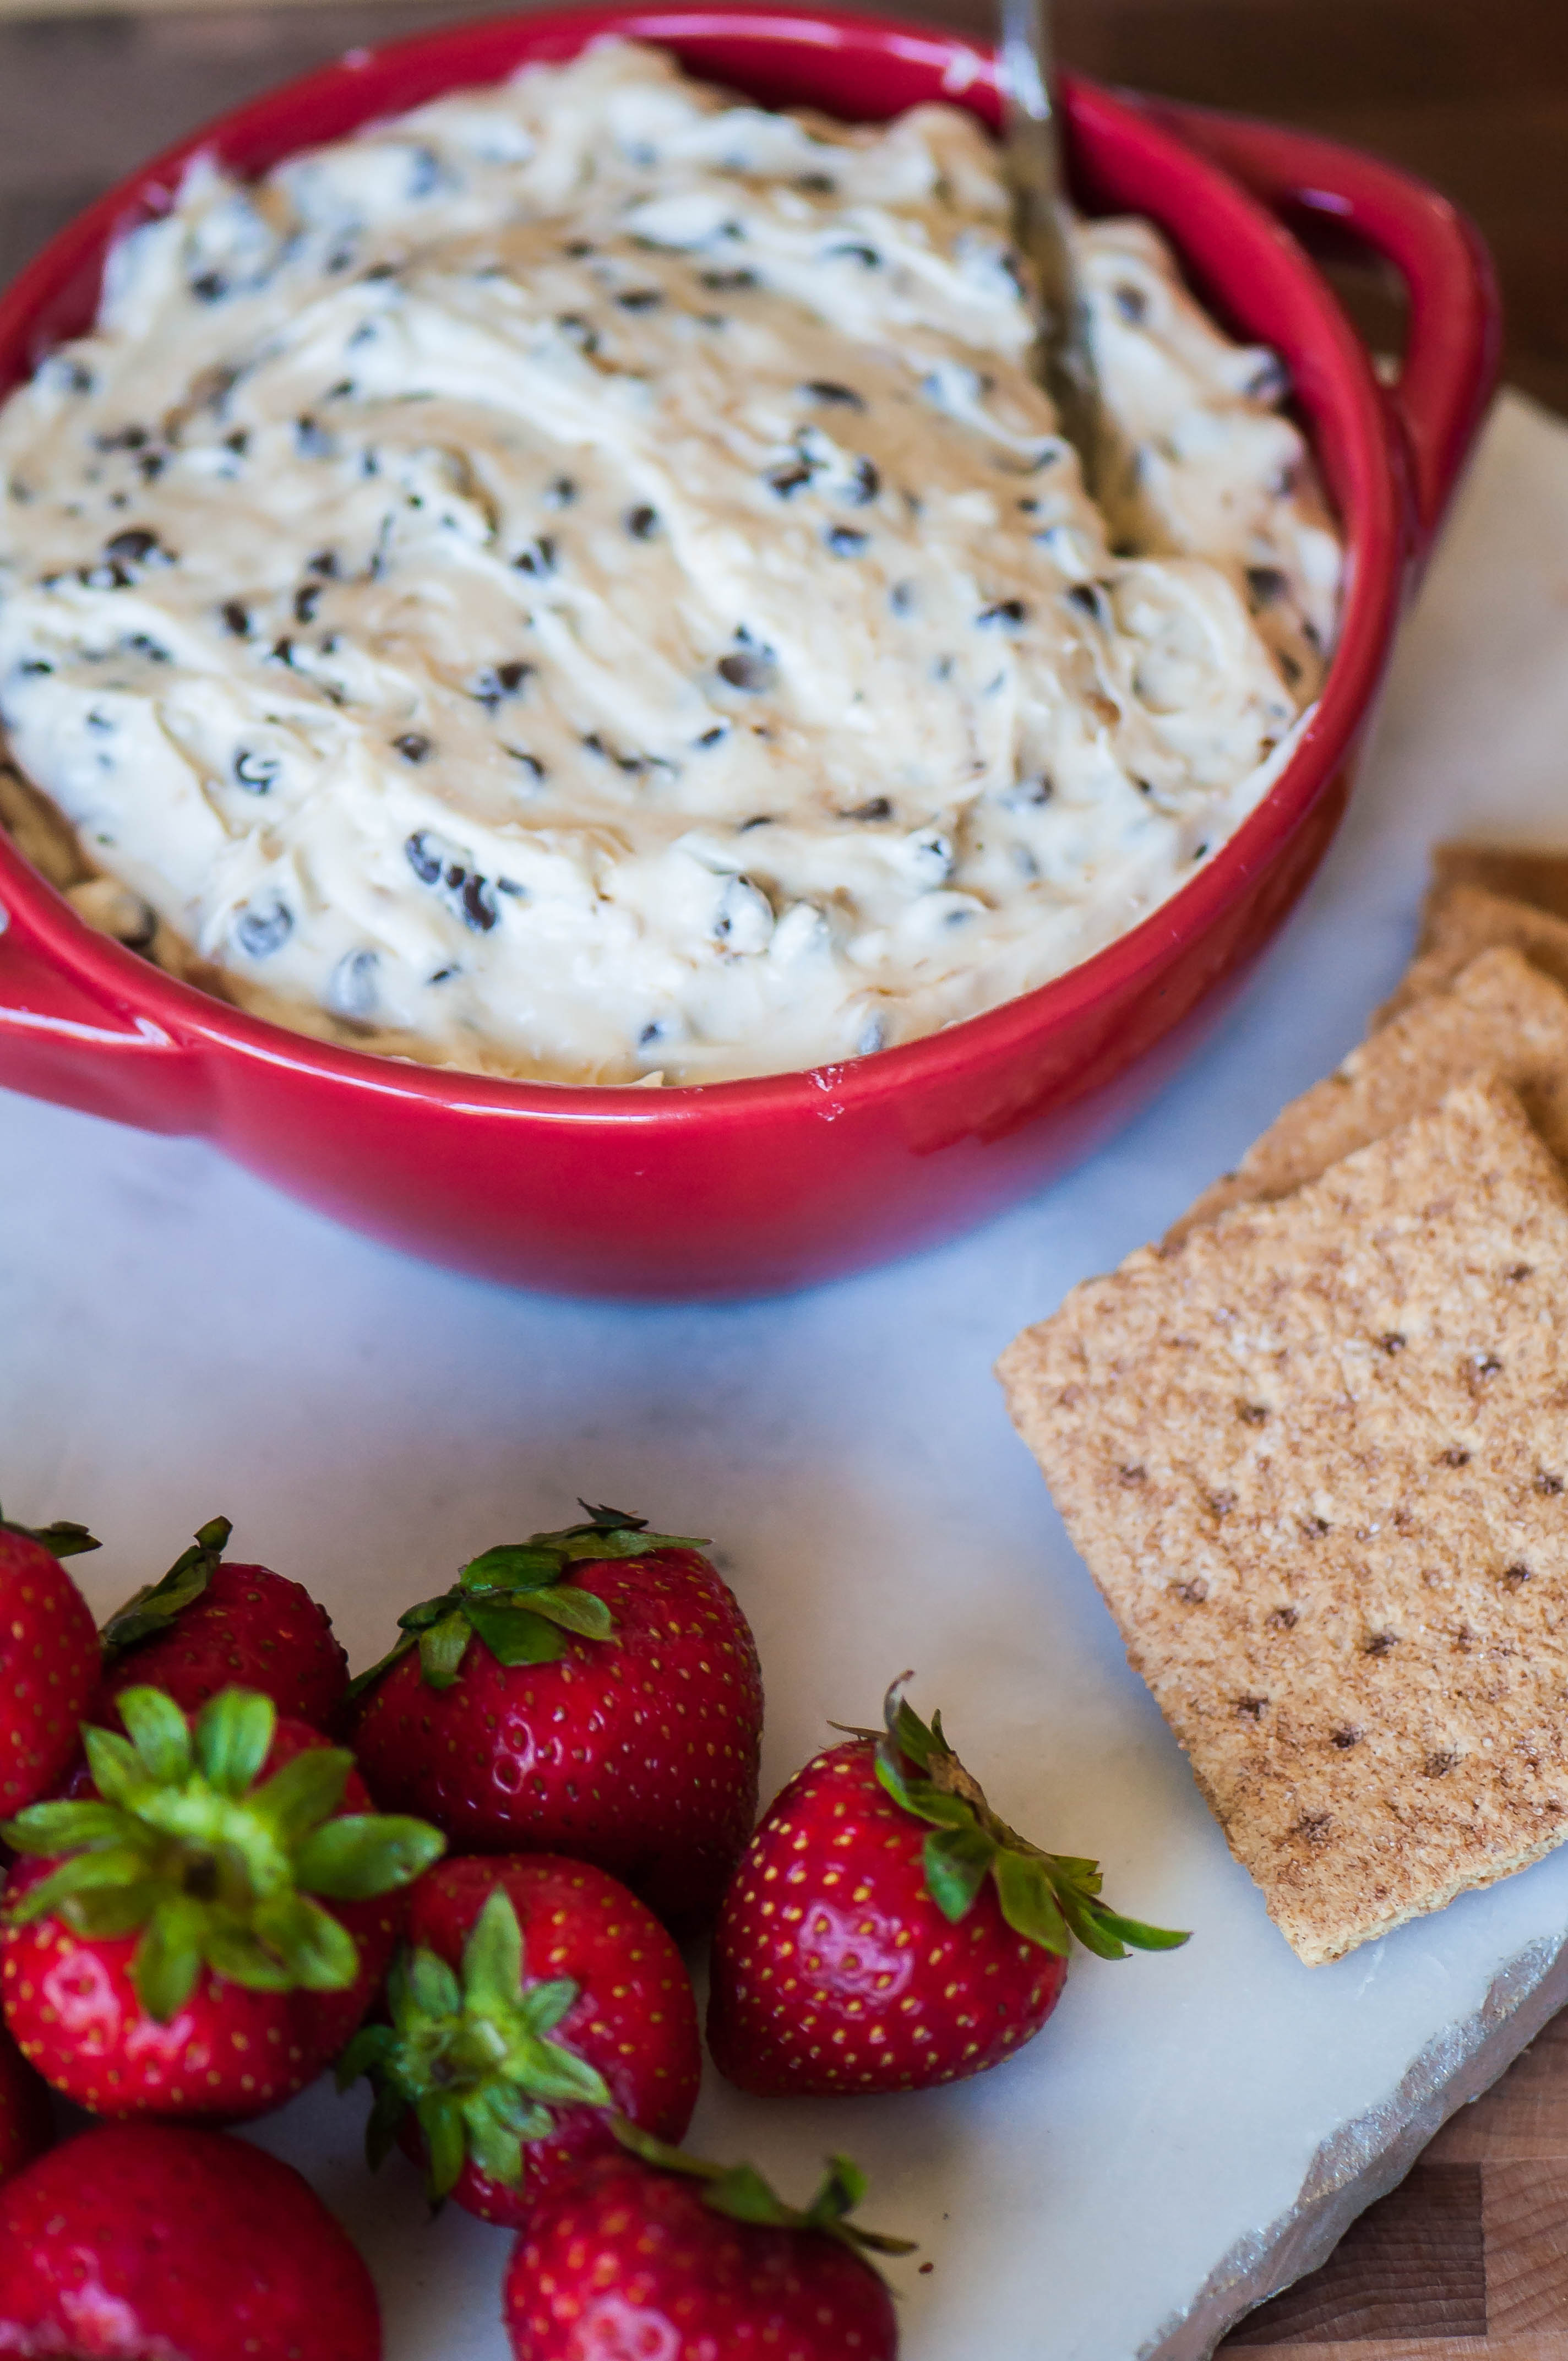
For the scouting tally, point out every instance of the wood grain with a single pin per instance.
(1467, 2260)
(1474, 95)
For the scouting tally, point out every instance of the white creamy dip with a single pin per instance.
(580, 582)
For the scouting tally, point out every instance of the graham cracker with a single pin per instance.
(1501, 1017)
(1460, 921)
(1316, 1458)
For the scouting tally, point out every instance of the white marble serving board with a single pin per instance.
(1189, 2131)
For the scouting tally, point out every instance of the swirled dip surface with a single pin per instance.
(580, 582)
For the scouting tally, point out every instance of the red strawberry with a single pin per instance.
(533, 1995)
(49, 1659)
(886, 1931)
(25, 2127)
(611, 1709)
(140, 2239)
(177, 1960)
(207, 1627)
(656, 2255)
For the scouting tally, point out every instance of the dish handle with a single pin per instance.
(1450, 363)
(64, 1038)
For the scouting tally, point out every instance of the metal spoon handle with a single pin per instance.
(1032, 148)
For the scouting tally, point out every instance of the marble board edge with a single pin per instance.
(1371, 2154)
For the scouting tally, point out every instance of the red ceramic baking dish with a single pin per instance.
(748, 1187)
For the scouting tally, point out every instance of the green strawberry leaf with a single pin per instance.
(154, 1607)
(112, 1910)
(167, 1959)
(117, 1767)
(433, 1989)
(514, 1635)
(957, 1862)
(1027, 1904)
(84, 1873)
(359, 1854)
(513, 1566)
(1132, 1931)
(305, 1792)
(440, 2117)
(574, 1610)
(240, 1957)
(443, 1647)
(494, 2147)
(318, 1950)
(64, 1827)
(233, 1737)
(1045, 1898)
(62, 1538)
(159, 1733)
(492, 1956)
(741, 2191)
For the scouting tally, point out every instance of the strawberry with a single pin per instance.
(886, 1931)
(658, 2255)
(592, 1692)
(136, 2240)
(208, 1626)
(533, 1995)
(164, 1950)
(49, 1659)
(25, 2126)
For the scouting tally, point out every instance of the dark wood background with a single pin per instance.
(1469, 2260)
(1474, 93)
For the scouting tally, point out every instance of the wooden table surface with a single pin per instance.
(1468, 2261)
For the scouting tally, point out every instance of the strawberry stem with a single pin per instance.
(154, 1607)
(1048, 1898)
(189, 1847)
(515, 1600)
(739, 2191)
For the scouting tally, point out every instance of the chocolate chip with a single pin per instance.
(878, 807)
(1004, 614)
(477, 905)
(845, 542)
(305, 602)
(257, 774)
(788, 480)
(815, 184)
(642, 523)
(1381, 1644)
(422, 858)
(351, 990)
(1284, 1618)
(752, 669)
(1550, 1485)
(1132, 1475)
(1516, 1576)
(1265, 586)
(1438, 1766)
(1315, 1825)
(822, 388)
(264, 928)
(413, 746)
(132, 547)
(538, 558)
(1252, 1413)
(1348, 1735)
(640, 299)
(853, 251)
(866, 483)
(1130, 302)
(1192, 1593)
(236, 618)
(1454, 1457)
(1520, 1270)
(727, 283)
(1392, 1342)
(531, 763)
(1251, 1709)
